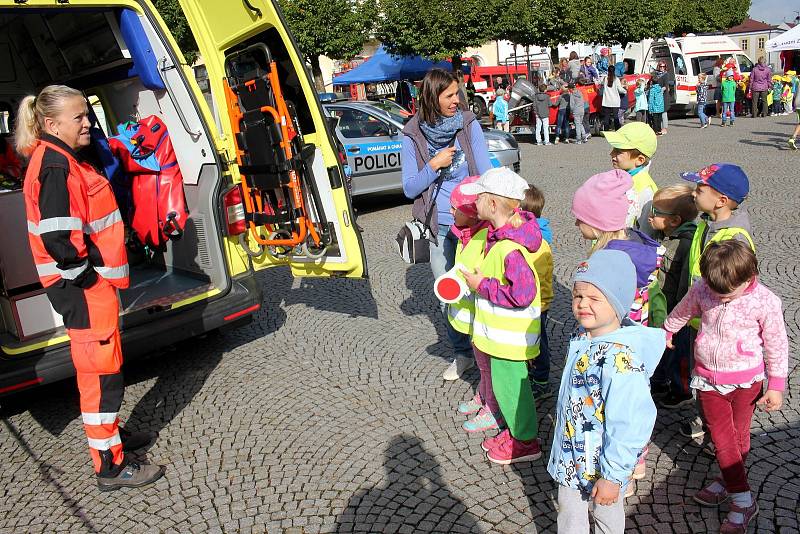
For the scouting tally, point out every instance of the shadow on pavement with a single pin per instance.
(48, 475)
(415, 498)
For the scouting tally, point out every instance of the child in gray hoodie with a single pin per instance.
(577, 104)
(542, 105)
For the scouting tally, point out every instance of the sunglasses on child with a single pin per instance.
(655, 212)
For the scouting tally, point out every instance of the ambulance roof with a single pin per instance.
(708, 44)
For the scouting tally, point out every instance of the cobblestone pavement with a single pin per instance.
(329, 414)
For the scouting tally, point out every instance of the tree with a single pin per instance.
(173, 15)
(333, 28)
(709, 16)
(435, 30)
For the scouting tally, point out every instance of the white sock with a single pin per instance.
(716, 487)
(742, 500)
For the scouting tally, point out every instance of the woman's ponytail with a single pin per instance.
(26, 129)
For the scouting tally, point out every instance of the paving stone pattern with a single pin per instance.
(329, 414)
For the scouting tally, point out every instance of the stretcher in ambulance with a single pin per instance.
(262, 183)
(685, 57)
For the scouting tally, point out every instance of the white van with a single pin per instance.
(123, 57)
(685, 57)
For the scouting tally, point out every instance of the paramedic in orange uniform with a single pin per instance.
(76, 235)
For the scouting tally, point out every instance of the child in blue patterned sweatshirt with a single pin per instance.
(605, 413)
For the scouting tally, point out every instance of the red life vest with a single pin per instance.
(93, 219)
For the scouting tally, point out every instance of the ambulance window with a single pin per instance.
(354, 124)
(8, 73)
(100, 113)
(680, 64)
(704, 64)
(745, 65)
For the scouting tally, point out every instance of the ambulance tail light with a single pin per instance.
(234, 211)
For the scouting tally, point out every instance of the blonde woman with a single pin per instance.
(76, 235)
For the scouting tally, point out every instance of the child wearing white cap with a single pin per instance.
(506, 323)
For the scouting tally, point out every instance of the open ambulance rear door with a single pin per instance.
(234, 38)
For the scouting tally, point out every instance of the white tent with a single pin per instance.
(789, 40)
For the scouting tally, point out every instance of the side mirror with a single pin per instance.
(393, 130)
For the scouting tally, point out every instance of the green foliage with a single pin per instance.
(173, 15)
(552, 22)
(709, 16)
(333, 28)
(436, 30)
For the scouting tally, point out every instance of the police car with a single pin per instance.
(372, 137)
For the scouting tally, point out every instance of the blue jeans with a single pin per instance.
(443, 257)
(701, 112)
(728, 107)
(542, 130)
(562, 123)
(541, 364)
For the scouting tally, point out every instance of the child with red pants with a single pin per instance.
(742, 335)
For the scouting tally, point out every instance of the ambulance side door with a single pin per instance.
(372, 146)
(223, 28)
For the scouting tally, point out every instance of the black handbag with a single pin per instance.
(413, 241)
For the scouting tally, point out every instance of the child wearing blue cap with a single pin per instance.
(721, 188)
(604, 414)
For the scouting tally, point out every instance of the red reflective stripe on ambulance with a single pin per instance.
(21, 385)
(240, 313)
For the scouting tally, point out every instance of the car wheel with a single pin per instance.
(478, 107)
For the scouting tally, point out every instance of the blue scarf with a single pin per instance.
(442, 131)
(439, 135)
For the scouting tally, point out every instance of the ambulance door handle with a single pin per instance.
(354, 150)
(195, 134)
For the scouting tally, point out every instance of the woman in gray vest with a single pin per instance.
(426, 156)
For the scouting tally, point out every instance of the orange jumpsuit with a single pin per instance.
(77, 238)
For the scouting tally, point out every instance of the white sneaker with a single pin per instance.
(460, 365)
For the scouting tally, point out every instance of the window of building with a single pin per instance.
(743, 43)
(761, 42)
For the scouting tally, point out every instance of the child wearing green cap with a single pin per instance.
(632, 147)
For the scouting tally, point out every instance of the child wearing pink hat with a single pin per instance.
(601, 208)
(472, 233)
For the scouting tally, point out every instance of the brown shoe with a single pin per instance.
(729, 527)
(133, 474)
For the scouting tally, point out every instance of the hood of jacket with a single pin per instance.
(528, 234)
(643, 252)
(739, 219)
(650, 346)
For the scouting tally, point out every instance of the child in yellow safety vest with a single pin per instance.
(471, 233)
(632, 148)
(506, 324)
(543, 262)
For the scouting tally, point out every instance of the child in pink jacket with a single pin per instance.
(742, 329)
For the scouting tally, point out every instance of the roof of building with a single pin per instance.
(750, 25)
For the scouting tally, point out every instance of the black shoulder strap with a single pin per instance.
(439, 182)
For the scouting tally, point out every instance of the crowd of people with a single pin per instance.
(669, 308)
(723, 94)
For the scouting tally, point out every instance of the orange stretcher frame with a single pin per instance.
(253, 201)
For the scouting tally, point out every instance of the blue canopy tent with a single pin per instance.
(384, 67)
